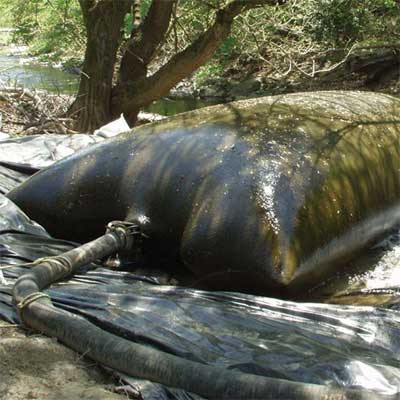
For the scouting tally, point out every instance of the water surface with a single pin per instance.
(17, 69)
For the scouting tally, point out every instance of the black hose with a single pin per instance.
(37, 311)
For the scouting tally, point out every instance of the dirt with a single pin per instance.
(34, 366)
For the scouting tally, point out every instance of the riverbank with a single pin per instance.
(374, 68)
(37, 367)
(28, 112)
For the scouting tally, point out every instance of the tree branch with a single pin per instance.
(86, 6)
(145, 40)
(93, 10)
(138, 94)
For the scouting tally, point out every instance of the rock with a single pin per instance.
(221, 88)
(246, 87)
(212, 92)
(71, 69)
(215, 88)
(186, 87)
(146, 117)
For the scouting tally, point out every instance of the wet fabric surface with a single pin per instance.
(355, 347)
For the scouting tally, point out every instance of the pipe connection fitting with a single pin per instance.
(126, 231)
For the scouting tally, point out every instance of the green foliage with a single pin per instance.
(192, 18)
(346, 21)
(275, 39)
(267, 38)
(6, 19)
(337, 21)
(208, 70)
(128, 22)
(52, 28)
(227, 48)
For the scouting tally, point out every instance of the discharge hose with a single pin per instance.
(36, 310)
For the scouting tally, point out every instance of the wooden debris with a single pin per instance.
(31, 112)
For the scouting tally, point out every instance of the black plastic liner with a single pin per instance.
(354, 347)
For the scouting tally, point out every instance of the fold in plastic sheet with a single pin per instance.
(355, 347)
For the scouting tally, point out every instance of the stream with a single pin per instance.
(17, 69)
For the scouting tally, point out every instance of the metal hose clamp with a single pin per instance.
(127, 231)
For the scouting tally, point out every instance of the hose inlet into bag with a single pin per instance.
(37, 311)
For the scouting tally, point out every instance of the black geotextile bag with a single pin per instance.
(347, 346)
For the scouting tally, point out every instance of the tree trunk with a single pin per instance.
(135, 90)
(139, 52)
(103, 20)
(97, 101)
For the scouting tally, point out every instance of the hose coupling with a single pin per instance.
(126, 231)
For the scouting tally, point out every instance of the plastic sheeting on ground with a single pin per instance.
(355, 347)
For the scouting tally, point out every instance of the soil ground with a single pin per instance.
(34, 366)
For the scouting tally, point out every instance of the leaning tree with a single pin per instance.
(102, 95)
